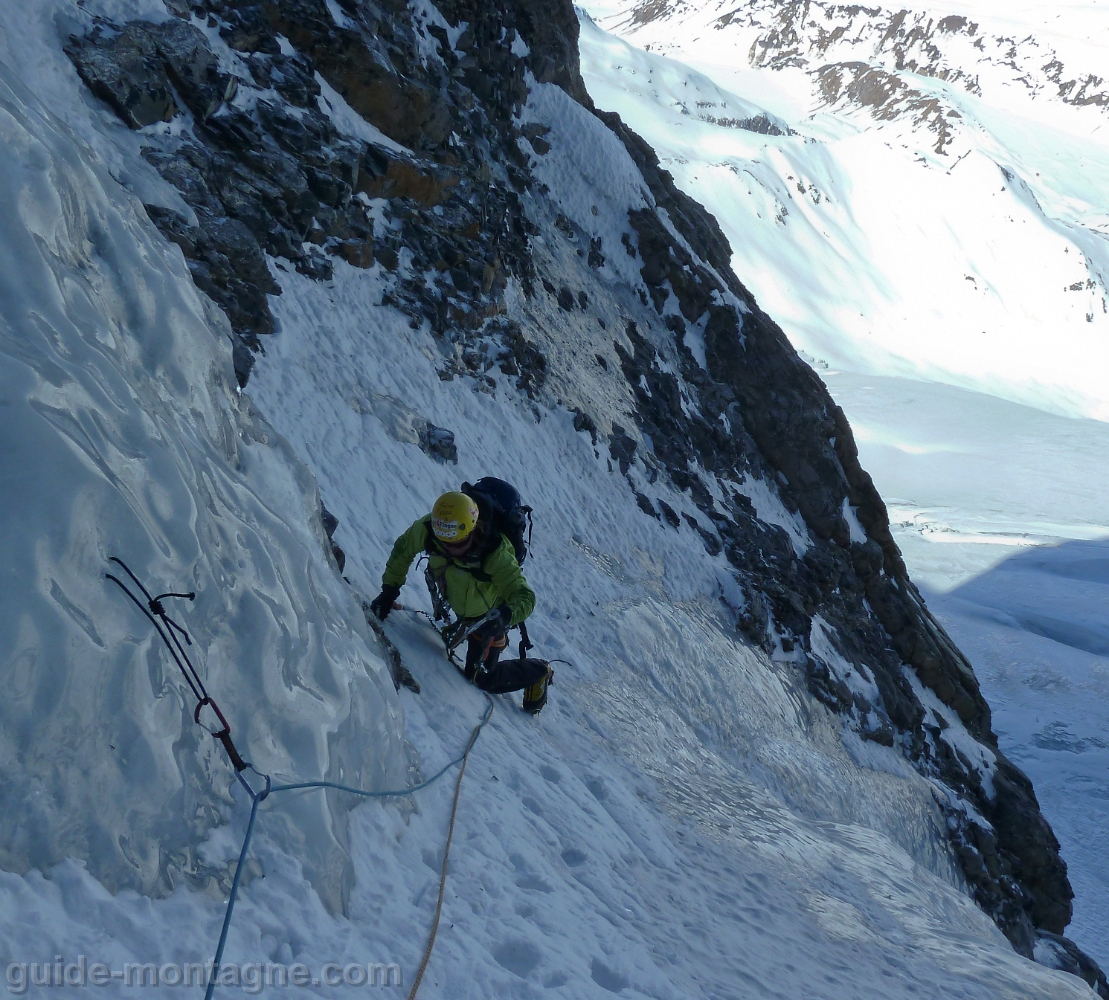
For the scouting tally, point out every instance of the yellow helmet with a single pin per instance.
(453, 517)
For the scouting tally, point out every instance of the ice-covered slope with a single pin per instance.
(124, 435)
(688, 816)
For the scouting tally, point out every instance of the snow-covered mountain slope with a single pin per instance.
(765, 770)
(668, 765)
(1000, 512)
(878, 247)
(903, 236)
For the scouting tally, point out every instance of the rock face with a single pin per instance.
(763, 412)
(439, 199)
(266, 171)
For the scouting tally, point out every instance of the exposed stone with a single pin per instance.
(192, 66)
(406, 110)
(438, 443)
(386, 176)
(670, 515)
(126, 71)
(330, 523)
(622, 448)
(645, 505)
(584, 422)
(357, 253)
(1056, 952)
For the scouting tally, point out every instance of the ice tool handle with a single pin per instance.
(469, 630)
(171, 634)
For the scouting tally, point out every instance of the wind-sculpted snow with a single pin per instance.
(124, 436)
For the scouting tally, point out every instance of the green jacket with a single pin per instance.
(470, 597)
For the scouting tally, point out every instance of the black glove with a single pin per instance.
(496, 625)
(383, 603)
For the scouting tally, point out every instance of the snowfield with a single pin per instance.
(682, 820)
(955, 305)
(873, 251)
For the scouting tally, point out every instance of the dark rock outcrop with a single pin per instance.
(438, 443)
(1058, 952)
(761, 411)
(126, 71)
(273, 176)
(330, 523)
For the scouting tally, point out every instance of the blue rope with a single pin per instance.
(258, 797)
(155, 613)
(384, 795)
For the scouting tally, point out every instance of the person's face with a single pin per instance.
(457, 549)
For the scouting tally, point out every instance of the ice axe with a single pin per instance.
(458, 636)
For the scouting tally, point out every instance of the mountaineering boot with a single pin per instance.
(535, 695)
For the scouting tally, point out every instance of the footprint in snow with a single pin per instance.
(604, 977)
(573, 857)
(519, 957)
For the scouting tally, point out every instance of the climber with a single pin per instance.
(476, 569)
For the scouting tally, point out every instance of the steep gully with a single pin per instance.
(263, 170)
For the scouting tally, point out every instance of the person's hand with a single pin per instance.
(383, 603)
(495, 625)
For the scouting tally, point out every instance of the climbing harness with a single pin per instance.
(170, 631)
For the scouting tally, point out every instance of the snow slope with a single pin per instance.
(935, 294)
(684, 819)
(1000, 512)
(873, 251)
(124, 436)
(671, 764)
